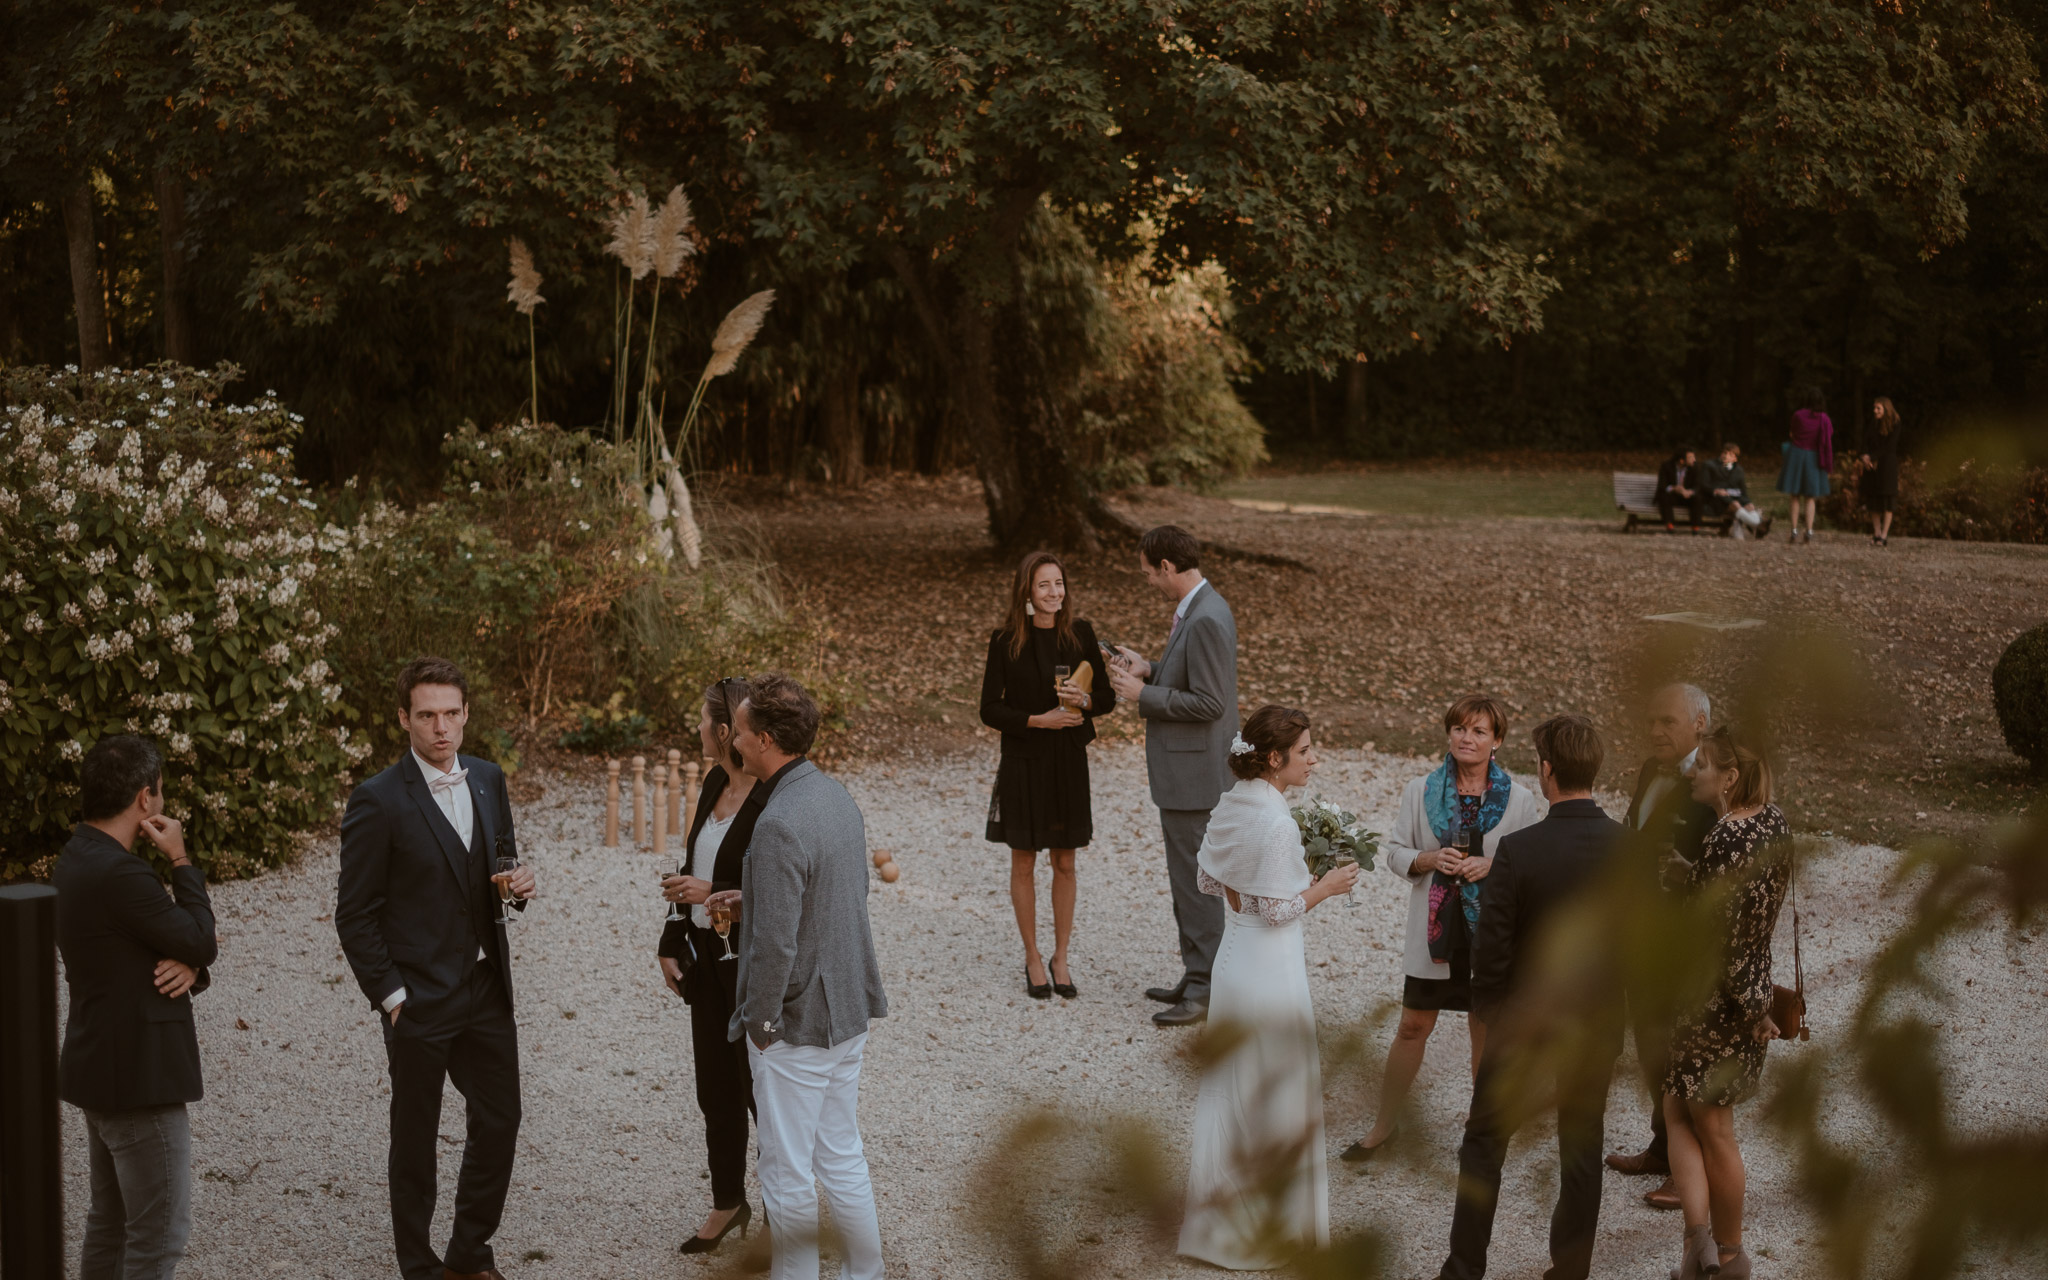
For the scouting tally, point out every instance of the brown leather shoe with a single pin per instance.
(488, 1273)
(1664, 1197)
(1641, 1162)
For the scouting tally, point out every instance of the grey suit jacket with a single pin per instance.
(807, 969)
(1190, 707)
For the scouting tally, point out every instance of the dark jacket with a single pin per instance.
(1668, 477)
(1677, 822)
(413, 905)
(1539, 874)
(1883, 476)
(680, 939)
(1015, 689)
(1714, 476)
(127, 1045)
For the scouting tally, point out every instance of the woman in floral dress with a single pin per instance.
(1717, 1051)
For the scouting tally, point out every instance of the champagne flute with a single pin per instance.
(506, 866)
(721, 920)
(675, 909)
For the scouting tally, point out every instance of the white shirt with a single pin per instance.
(1660, 784)
(460, 810)
(1181, 610)
(704, 858)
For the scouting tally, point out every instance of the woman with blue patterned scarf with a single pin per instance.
(1468, 792)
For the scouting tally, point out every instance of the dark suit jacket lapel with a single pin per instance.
(437, 821)
(485, 816)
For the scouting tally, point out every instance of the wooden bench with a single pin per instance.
(1635, 494)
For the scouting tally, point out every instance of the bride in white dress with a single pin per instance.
(1258, 1192)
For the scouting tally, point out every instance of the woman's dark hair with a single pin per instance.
(1887, 416)
(429, 671)
(1730, 748)
(117, 767)
(779, 709)
(1571, 746)
(1018, 625)
(1810, 398)
(721, 700)
(1171, 543)
(1269, 729)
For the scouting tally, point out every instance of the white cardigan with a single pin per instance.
(1408, 840)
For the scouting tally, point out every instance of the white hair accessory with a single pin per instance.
(1239, 747)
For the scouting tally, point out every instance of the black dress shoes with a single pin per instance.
(1185, 1013)
(1168, 995)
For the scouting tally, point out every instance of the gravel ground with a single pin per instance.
(289, 1143)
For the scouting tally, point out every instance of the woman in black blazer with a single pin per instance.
(1041, 793)
(695, 967)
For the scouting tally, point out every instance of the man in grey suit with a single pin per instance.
(808, 984)
(1189, 702)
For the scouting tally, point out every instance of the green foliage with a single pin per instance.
(1969, 502)
(2019, 693)
(609, 729)
(156, 570)
(1330, 835)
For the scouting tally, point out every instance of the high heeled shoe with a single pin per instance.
(1064, 990)
(709, 1244)
(1702, 1257)
(1735, 1266)
(1037, 990)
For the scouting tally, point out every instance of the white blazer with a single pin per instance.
(1411, 837)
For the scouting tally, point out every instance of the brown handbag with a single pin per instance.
(1788, 1004)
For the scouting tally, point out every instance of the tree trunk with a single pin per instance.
(1356, 419)
(840, 424)
(1742, 371)
(88, 293)
(181, 339)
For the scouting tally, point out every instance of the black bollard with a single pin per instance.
(31, 1181)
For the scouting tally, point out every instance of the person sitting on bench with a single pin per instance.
(1728, 493)
(1679, 483)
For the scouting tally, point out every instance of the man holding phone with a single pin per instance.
(1189, 703)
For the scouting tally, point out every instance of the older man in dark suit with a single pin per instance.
(417, 911)
(1546, 989)
(133, 957)
(1663, 822)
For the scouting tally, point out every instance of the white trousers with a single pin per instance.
(805, 1099)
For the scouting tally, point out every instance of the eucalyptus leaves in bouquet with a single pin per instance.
(154, 560)
(1331, 837)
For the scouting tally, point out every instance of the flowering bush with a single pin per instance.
(154, 566)
(1970, 502)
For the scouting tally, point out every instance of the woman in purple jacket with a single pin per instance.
(1809, 456)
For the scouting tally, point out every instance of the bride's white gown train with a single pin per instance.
(1258, 1185)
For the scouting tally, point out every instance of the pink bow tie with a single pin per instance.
(447, 781)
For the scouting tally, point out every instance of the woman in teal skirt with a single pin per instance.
(1809, 457)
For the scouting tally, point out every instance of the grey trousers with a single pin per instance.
(1198, 916)
(141, 1215)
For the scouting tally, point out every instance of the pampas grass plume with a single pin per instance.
(736, 331)
(672, 243)
(524, 291)
(633, 236)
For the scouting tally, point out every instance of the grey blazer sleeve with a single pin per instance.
(774, 906)
(1211, 660)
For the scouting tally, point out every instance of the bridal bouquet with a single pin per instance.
(1331, 836)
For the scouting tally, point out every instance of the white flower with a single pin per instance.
(67, 532)
(282, 593)
(33, 623)
(96, 562)
(65, 501)
(278, 654)
(235, 736)
(182, 646)
(161, 725)
(142, 567)
(14, 584)
(145, 594)
(229, 615)
(177, 622)
(71, 614)
(70, 749)
(148, 669)
(95, 598)
(10, 501)
(98, 649)
(181, 744)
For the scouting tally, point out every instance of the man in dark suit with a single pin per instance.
(417, 912)
(1679, 483)
(1663, 822)
(1544, 985)
(133, 957)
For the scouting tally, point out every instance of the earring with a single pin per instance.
(1030, 610)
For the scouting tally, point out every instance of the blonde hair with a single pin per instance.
(1732, 750)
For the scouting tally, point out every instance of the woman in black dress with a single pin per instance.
(695, 966)
(1041, 794)
(1717, 1049)
(1880, 482)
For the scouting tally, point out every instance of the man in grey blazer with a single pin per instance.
(808, 985)
(1189, 702)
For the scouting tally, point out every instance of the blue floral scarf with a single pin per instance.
(1440, 805)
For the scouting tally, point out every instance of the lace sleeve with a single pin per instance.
(1274, 911)
(1208, 884)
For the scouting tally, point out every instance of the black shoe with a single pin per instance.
(709, 1244)
(1359, 1153)
(1186, 1013)
(1036, 990)
(1064, 990)
(1168, 995)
